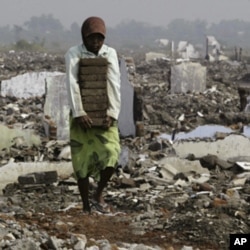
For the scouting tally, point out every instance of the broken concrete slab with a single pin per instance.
(56, 104)
(188, 77)
(244, 165)
(232, 146)
(154, 55)
(26, 85)
(10, 172)
(171, 166)
(238, 182)
(187, 50)
(126, 117)
(8, 136)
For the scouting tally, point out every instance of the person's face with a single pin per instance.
(94, 42)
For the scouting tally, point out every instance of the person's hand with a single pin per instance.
(84, 121)
(108, 122)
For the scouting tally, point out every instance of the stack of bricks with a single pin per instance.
(93, 86)
(47, 177)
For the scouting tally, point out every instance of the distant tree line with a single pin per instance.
(46, 32)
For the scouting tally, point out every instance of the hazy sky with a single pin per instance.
(155, 12)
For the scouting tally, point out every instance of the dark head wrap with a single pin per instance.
(93, 25)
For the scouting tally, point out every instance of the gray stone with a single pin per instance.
(54, 243)
(155, 146)
(224, 164)
(127, 182)
(124, 157)
(80, 245)
(26, 244)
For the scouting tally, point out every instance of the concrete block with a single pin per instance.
(232, 146)
(56, 104)
(188, 76)
(126, 118)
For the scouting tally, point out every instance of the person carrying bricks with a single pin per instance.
(93, 86)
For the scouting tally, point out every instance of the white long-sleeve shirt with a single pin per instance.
(113, 79)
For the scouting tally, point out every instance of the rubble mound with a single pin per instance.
(218, 104)
(195, 203)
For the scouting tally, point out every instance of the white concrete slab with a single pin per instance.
(126, 122)
(27, 85)
(170, 166)
(56, 104)
(244, 165)
(231, 146)
(150, 56)
(9, 173)
(188, 76)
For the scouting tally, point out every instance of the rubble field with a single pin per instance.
(159, 199)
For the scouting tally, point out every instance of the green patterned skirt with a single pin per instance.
(93, 150)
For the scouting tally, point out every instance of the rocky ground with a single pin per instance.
(149, 211)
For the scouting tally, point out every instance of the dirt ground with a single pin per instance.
(114, 228)
(182, 226)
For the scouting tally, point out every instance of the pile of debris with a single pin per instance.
(218, 104)
(165, 194)
(14, 63)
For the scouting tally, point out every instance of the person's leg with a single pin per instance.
(83, 185)
(105, 177)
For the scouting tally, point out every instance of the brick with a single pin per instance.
(93, 84)
(84, 78)
(95, 99)
(95, 92)
(95, 106)
(92, 70)
(27, 179)
(48, 177)
(93, 61)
